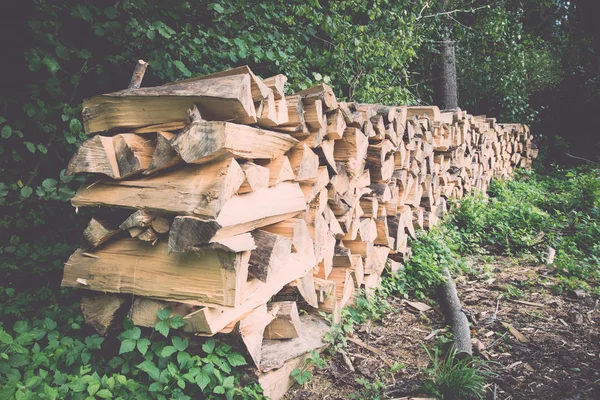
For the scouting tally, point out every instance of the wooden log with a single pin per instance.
(313, 115)
(286, 324)
(272, 252)
(117, 157)
(455, 316)
(257, 177)
(99, 310)
(164, 156)
(210, 320)
(131, 266)
(250, 328)
(277, 85)
(240, 214)
(144, 311)
(304, 162)
(227, 98)
(336, 125)
(97, 233)
(320, 92)
(279, 168)
(205, 141)
(295, 113)
(139, 219)
(199, 190)
(296, 230)
(138, 75)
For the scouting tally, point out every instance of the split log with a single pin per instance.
(286, 324)
(240, 214)
(99, 310)
(272, 252)
(304, 162)
(117, 157)
(97, 233)
(201, 190)
(138, 74)
(279, 168)
(164, 156)
(205, 141)
(257, 177)
(320, 92)
(227, 98)
(131, 266)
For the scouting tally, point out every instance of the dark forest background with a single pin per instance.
(527, 61)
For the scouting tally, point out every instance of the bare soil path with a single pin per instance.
(542, 345)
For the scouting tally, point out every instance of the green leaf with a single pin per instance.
(26, 192)
(50, 184)
(75, 126)
(236, 359)
(167, 351)
(164, 32)
(2, 120)
(176, 322)
(127, 346)
(111, 13)
(228, 382)
(51, 64)
(181, 67)
(219, 390)
(209, 346)
(203, 380)
(217, 7)
(30, 146)
(163, 328)
(133, 333)
(164, 313)
(41, 148)
(181, 383)
(155, 387)
(6, 131)
(93, 388)
(183, 357)
(50, 392)
(151, 369)
(180, 344)
(5, 338)
(33, 381)
(104, 394)
(63, 52)
(83, 12)
(142, 345)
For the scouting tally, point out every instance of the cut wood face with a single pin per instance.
(132, 266)
(204, 141)
(225, 98)
(195, 190)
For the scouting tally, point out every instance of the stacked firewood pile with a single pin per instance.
(231, 194)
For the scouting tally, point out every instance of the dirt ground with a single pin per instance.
(557, 356)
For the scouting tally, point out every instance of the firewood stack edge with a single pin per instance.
(237, 206)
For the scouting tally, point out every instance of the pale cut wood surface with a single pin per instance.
(227, 98)
(194, 190)
(131, 266)
(203, 141)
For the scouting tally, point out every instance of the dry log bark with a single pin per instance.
(99, 310)
(455, 317)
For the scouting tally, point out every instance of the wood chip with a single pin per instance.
(513, 331)
(528, 303)
(418, 305)
(375, 350)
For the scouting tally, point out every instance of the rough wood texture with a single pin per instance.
(117, 157)
(200, 190)
(240, 214)
(275, 353)
(164, 156)
(99, 310)
(272, 252)
(279, 168)
(286, 324)
(204, 141)
(97, 233)
(138, 75)
(131, 266)
(257, 177)
(455, 316)
(227, 98)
